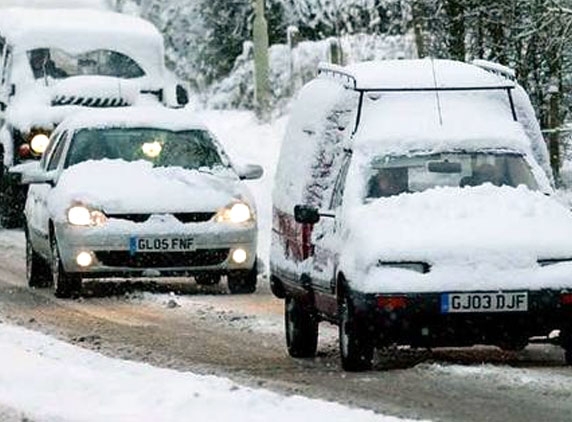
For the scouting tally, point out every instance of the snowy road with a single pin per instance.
(211, 332)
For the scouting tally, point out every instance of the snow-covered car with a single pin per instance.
(421, 216)
(138, 192)
(54, 62)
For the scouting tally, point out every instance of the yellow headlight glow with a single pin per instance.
(235, 213)
(152, 149)
(39, 143)
(80, 215)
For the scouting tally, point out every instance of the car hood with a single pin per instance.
(472, 227)
(116, 187)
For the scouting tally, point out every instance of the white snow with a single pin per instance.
(117, 186)
(137, 117)
(49, 380)
(424, 73)
(51, 4)
(475, 238)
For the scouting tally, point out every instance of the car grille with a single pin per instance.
(198, 258)
(183, 217)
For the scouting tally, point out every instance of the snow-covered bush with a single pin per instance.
(290, 69)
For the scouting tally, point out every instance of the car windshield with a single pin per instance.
(190, 149)
(389, 176)
(58, 64)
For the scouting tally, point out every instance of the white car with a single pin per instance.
(138, 192)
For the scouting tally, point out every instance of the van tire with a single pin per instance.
(301, 328)
(38, 272)
(356, 348)
(66, 285)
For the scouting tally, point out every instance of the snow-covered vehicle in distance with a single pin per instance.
(54, 62)
(412, 206)
(138, 192)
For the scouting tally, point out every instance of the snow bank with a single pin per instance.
(51, 380)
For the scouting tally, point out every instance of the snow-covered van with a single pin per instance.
(412, 205)
(54, 62)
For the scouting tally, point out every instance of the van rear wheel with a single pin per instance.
(301, 327)
(356, 348)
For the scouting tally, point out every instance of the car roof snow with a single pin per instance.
(421, 74)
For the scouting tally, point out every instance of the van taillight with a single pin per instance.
(391, 303)
(566, 298)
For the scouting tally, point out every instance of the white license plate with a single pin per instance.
(161, 244)
(484, 302)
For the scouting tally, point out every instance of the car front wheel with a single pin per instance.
(66, 285)
(37, 270)
(301, 328)
(356, 348)
(242, 281)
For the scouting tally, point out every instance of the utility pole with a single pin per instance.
(261, 66)
(119, 5)
(554, 136)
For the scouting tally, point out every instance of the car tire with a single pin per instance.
(243, 281)
(301, 328)
(356, 347)
(566, 343)
(207, 279)
(38, 272)
(66, 285)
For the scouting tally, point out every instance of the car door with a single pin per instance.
(38, 194)
(326, 241)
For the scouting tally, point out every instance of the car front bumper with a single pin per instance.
(114, 255)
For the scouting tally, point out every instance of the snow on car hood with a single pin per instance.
(464, 233)
(116, 186)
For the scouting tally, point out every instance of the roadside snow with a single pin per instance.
(55, 381)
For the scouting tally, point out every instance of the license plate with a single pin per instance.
(161, 244)
(484, 302)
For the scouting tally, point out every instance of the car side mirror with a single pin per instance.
(306, 214)
(182, 95)
(38, 177)
(250, 172)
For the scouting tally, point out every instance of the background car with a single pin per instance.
(55, 62)
(138, 192)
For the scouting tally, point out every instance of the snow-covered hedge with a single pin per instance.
(290, 69)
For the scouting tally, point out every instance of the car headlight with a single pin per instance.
(237, 213)
(420, 267)
(80, 215)
(39, 143)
